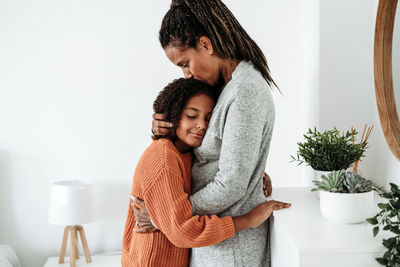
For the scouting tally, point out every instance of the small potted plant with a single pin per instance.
(388, 218)
(329, 151)
(345, 197)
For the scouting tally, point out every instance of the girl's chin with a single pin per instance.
(195, 144)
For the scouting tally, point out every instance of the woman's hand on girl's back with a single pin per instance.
(159, 126)
(267, 185)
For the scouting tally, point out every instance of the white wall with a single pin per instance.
(78, 78)
(279, 28)
(77, 82)
(347, 93)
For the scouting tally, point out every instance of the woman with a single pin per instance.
(204, 39)
(162, 180)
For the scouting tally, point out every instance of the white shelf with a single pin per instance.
(308, 239)
(97, 261)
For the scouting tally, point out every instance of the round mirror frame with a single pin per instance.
(383, 74)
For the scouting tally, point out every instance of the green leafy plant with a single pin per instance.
(388, 218)
(329, 151)
(333, 182)
(354, 183)
(343, 182)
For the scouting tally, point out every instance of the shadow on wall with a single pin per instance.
(111, 202)
(378, 158)
(9, 233)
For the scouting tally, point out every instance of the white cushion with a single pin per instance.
(8, 257)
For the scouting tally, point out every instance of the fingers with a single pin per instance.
(267, 185)
(137, 206)
(158, 116)
(158, 121)
(277, 205)
(267, 192)
(145, 230)
(279, 202)
(162, 124)
(281, 206)
(137, 202)
(159, 126)
(266, 179)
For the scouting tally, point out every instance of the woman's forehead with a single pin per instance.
(176, 53)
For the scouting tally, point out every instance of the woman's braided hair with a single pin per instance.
(187, 20)
(173, 98)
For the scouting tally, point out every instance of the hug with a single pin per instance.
(199, 185)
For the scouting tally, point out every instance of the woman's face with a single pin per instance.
(200, 63)
(194, 122)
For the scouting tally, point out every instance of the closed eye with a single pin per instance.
(183, 64)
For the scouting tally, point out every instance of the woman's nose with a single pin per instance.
(187, 74)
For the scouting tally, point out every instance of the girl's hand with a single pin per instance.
(263, 211)
(258, 215)
(159, 126)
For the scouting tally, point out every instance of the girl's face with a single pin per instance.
(200, 63)
(194, 122)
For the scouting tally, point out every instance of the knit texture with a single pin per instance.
(162, 180)
(228, 167)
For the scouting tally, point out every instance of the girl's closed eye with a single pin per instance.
(191, 116)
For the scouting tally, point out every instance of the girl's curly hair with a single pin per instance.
(173, 98)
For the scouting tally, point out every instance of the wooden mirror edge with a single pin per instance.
(383, 74)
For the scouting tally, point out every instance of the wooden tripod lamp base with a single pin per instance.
(73, 230)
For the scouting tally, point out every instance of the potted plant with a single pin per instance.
(389, 219)
(329, 151)
(345, 197)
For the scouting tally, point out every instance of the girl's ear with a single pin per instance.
(205, 45)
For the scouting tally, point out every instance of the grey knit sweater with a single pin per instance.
(229, 165)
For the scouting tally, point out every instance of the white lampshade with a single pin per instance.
(71, 203)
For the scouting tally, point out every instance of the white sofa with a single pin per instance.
(8, 257)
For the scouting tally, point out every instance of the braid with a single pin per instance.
(188, 20)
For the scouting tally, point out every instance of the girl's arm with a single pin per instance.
(250, 220)
(171, 211)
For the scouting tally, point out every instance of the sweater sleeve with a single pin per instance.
(170, 209)
(242, 135)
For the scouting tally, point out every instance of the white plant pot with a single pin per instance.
(318, 174)
(347, 208)
(311, 175)
(318, 177)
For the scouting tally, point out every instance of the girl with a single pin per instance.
(162, 180)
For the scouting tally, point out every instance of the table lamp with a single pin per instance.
(71, 204)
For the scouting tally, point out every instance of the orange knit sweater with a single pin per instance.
(162, 180)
